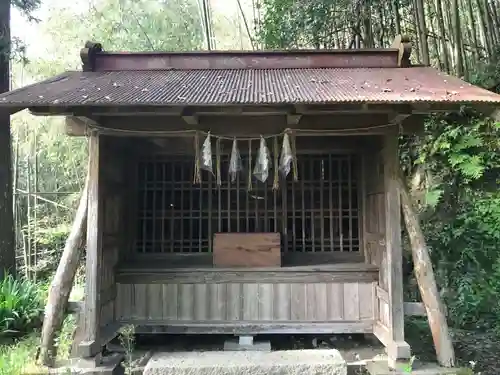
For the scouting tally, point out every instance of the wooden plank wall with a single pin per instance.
(112, 198)
(218, 302)
(374, 229)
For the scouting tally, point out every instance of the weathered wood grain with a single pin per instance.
(247, 250)
(253, 328)
(427, 282)
(92, 307)
(245, 302)
(393, 245)
(204, 260)
(293, 275)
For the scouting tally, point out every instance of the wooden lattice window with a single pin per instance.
(317, 213)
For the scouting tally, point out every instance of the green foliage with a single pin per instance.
(15, 357)
(465, 246)
(21, 305)
(462, 214)
(298, 24)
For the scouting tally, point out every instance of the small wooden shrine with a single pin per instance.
(245, 192)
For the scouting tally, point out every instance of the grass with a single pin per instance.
(15, 357)
(19, 357)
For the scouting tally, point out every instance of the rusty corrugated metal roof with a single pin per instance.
(248, 86)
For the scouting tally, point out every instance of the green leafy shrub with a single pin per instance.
(461, 219)
(21, 305)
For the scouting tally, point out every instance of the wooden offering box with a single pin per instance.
(247, 250)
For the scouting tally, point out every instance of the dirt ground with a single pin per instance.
(481, 349)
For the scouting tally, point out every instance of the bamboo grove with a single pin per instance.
(453, 35)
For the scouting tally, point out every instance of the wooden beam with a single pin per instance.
(417, 309)
(144, 126)
(78, 125)
(232, 327)
(426, 281)
(414, 309)
(313, 59)
(393, 245)
(190, 120)
(248, 109)
(292, 119)
(94, 250)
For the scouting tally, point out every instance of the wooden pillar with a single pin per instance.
(396, 346)
(7, 245)
(90, 346)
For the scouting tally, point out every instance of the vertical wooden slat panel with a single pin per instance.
(384, 313)
(298, 302)
(141, 301)
(311, 302)
(172, 207)
(209, 213)
(281, 307)
(311, 191)
(302, 194)
(165, 301)
(294, 228)
(335, 301)
(163, 205)
(122, 305)
(266, 301)
(143, 212)
(153, 211)
(118, 302)
(341, 205)
(234, 302)
(154, 301)
(246, 302)
(351, 301)
(182, 208)
(202, 295)
(376, 311)
(320, 290)
(321, 205)
(171, 301)
(349, 192)
(365, 301)
(250, 301)
(217, 302)
(186, 301)
(284, 219)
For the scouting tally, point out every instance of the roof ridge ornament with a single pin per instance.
(403, 44)
(88, 55)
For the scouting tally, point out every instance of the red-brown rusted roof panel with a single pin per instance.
(290, 59)
(247, 87)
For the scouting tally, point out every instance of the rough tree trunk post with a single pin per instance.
(62, 283)
(7, 238)
(427, 282)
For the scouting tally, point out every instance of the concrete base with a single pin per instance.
(245, 343)
(288, 362)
